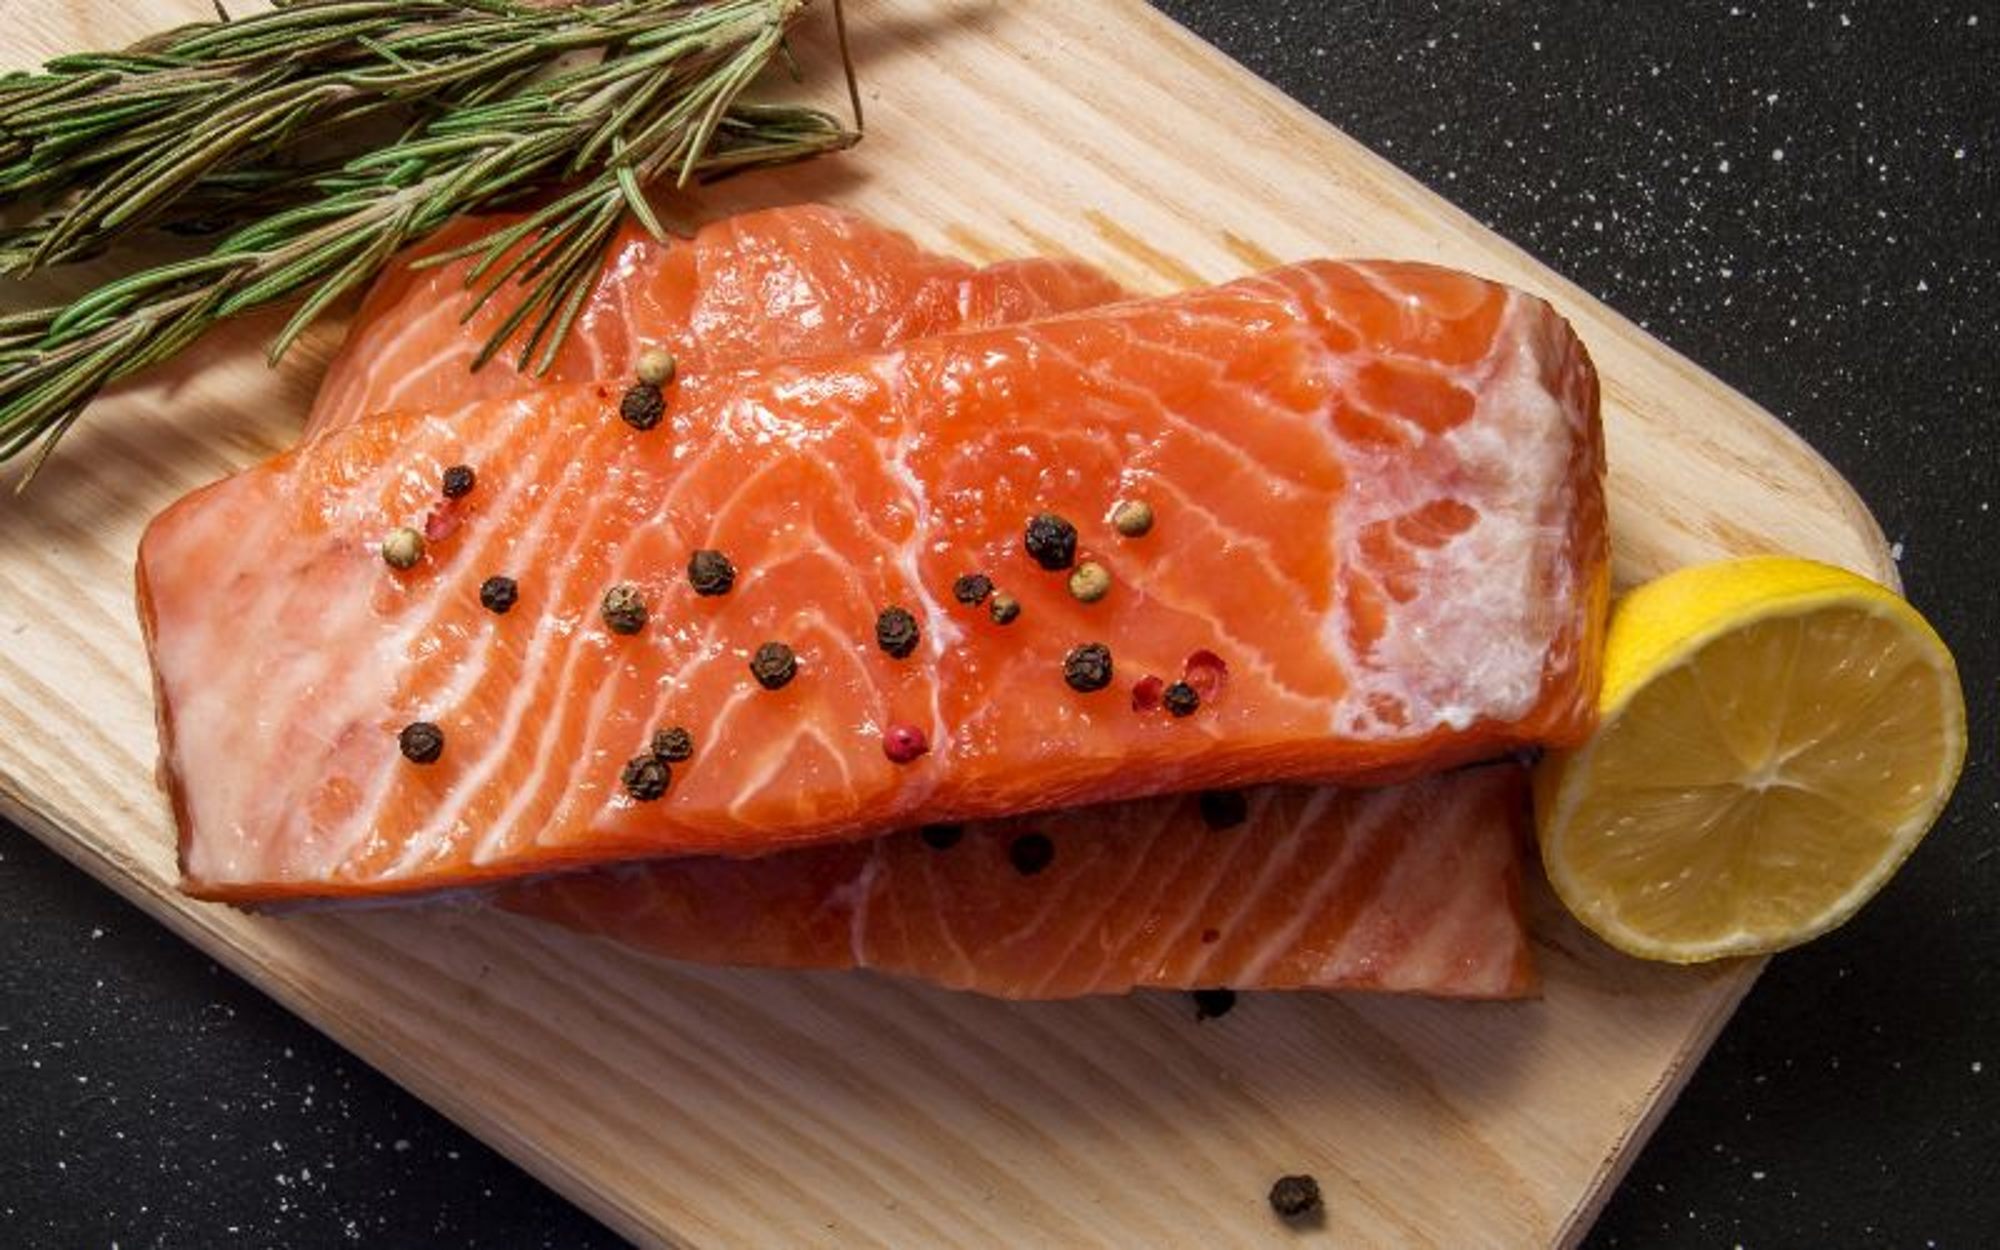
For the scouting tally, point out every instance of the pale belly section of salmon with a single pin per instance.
(1380, 536)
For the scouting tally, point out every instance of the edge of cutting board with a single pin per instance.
(1015, 79)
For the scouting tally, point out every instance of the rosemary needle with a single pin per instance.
(662, 100)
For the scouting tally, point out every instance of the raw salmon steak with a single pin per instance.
(1410, 889)
(764, 285)
(1407, 889)
(1380, 551)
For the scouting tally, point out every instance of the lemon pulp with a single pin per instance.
(1776, 737)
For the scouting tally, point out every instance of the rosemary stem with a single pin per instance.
(496, 116)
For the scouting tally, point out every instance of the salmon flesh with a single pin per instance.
(766, 285)
(1414, 888)
(1410, 889)
(1380, 550)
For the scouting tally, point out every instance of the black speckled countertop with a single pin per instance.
(1800, 196)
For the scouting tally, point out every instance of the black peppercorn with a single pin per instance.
(497, 594)
(642, 405)
(673, 745)
(646, 777)
(1030, 853)
(458, 481)
(1224, 809)
(1051, 541)
(1088, 668)
(971, 589)
(896, 632)
(711, 573)
(624, 610)
(421, 742)
(1295, 1196)
(942, 837)
(1180, 699)
(774, 665)
(1213, 1004)
(1004, 608)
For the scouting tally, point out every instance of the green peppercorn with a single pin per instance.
(458, 481)
(1051, 541)
(420, 742)
(971, 589)
(646, 777)
(624, 610)
(673, 745)
(1181, 699)
(774, 665)
(1133, 518)
(1004, 608)
(1088, 668)
(403, 548)
(642, 405)
(896, 632)
(1090, 581)
(655, 366)
(711, 573)
(498, 594)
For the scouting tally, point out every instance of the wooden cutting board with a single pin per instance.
(701, 1107)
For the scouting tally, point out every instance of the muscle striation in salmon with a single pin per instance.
(1380, 519)
(1413, 888)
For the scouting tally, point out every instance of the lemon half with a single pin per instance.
(1776, 736)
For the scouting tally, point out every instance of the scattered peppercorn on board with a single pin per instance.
(705, 1107)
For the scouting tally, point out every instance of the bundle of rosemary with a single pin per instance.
(318, 139)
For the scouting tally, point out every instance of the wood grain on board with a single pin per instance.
(706, 1107)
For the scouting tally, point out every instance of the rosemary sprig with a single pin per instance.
(219, 202)
(664, 99)
(129, 134)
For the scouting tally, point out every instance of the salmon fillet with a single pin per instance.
(1381, 544)
(764, 285)
(1410, 889)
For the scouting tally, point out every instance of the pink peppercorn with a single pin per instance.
(903, 743)
(1146, 694)
(442, 521)
(1207, 674)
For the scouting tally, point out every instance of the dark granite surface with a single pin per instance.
(1800, 196)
